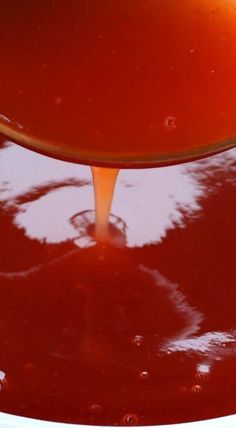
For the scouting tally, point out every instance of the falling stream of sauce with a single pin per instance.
(126, 86)
(132, 336)
(104, 180)
(109, 336)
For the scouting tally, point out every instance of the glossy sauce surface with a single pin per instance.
(117, 82)
(108, 335)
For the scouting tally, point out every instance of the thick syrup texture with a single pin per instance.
(104, 334)
(122, 82)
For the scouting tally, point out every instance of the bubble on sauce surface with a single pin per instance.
(130, 419)
(138, 340)
(144, 375)
(196, 389)
(170, 123)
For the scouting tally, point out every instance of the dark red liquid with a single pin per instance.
(144, 334)
(122, 81)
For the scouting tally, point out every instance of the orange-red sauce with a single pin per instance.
(118, 81)
(113, 334)
(143, 334)
(104, 181)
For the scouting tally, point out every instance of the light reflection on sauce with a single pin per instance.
(152, 323)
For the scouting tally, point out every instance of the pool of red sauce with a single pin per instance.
(84, 332)
(119, 81)
(110, 335)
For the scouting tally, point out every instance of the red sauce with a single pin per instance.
(117, 334)
(143, 334)
(117, 82)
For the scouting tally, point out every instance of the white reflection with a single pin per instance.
(192, 316)
(150, 202)
(23, 170)
(203, 368)
(207, 343)
(35, 269)
(210, 346)
(2, 376)
(9, 121)
(46, 217)
(3, 382)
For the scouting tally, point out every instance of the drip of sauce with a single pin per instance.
(104, 180)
